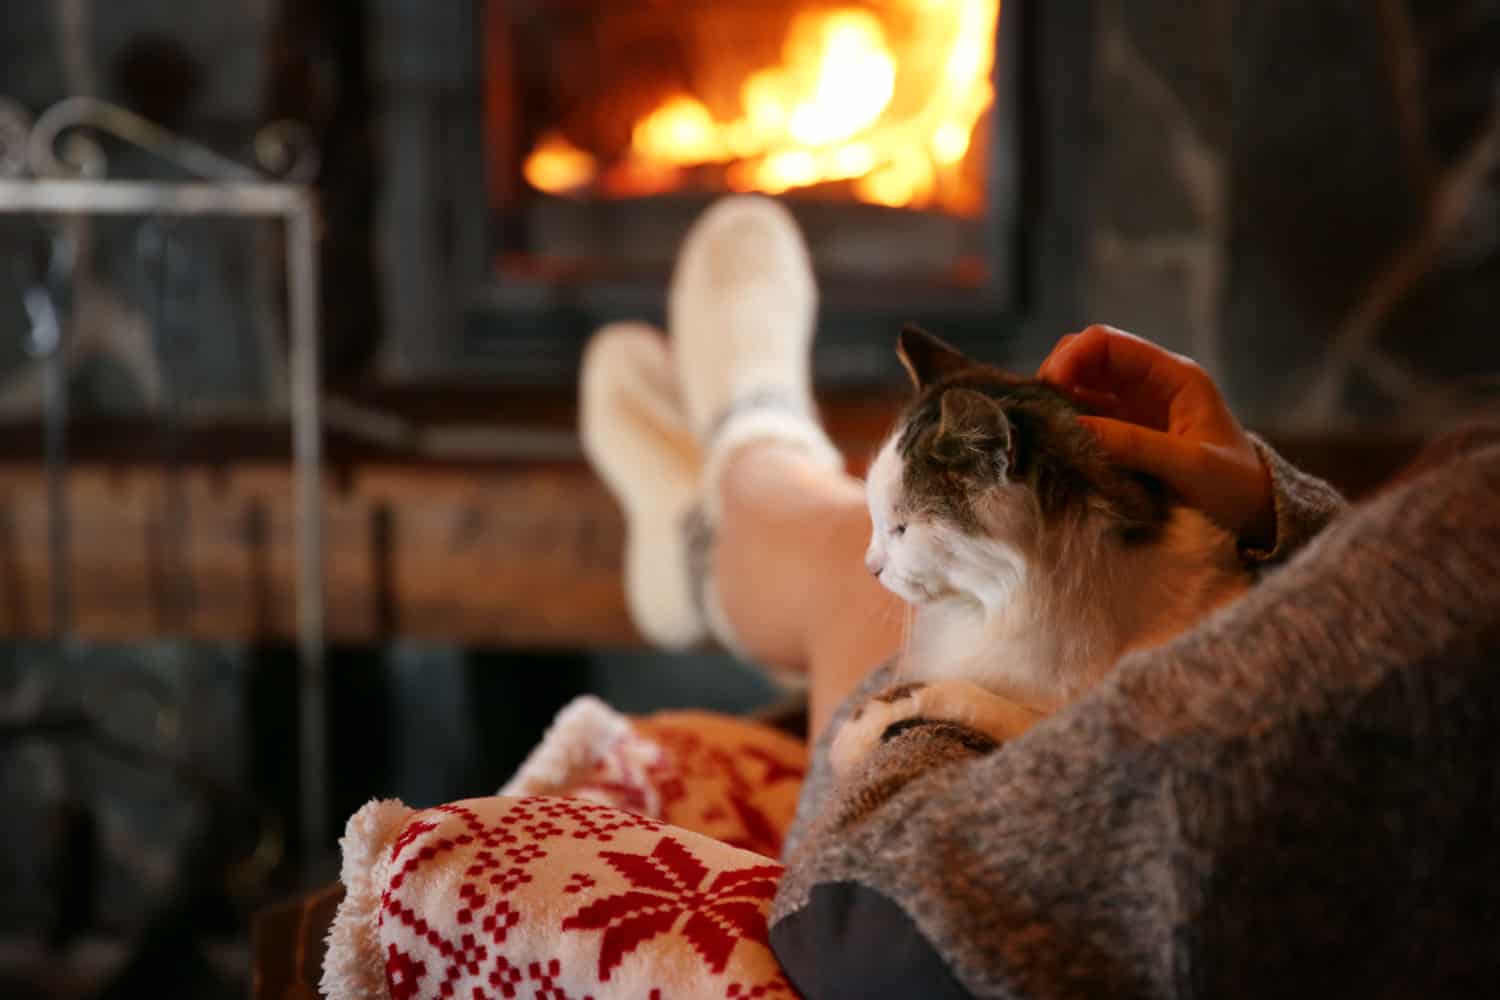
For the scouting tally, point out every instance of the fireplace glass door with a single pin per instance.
(612, 122)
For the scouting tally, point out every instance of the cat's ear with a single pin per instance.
(927, 358)
(973, 430)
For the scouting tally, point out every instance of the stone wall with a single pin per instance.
(1364, 250)
(1162, 135)
(163, 311)
(1304, 197)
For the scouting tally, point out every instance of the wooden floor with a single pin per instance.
(520, 552)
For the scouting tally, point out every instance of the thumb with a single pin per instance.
(1170, 459)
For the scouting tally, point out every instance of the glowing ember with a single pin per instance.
(558, 166)
(885, 103)
(680, 132)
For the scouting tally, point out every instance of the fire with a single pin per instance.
(558, 166)
(886, 104)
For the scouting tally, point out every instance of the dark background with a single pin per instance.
(1304, 196)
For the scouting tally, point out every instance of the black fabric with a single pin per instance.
(850, 941)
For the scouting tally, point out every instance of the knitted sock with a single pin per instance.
(741, 312)
(636, 437)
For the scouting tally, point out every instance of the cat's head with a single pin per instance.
(983, 469)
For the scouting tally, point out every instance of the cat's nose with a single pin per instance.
(875, 562)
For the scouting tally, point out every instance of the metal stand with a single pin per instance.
(233, 192)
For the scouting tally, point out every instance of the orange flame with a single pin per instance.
(846, 103)
(558, 166)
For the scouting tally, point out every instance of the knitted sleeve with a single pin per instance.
(1222, 816)
(896, 761)
(1304, 506)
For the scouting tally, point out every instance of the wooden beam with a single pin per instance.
(480, 552)
(519, 556)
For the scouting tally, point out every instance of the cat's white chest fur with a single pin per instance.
(958, 639)
(1038, 619)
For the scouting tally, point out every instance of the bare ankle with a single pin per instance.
(750, 467)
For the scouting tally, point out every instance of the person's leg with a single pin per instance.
(786, 561)
(784, 578)
(740, 519)
(789, 569)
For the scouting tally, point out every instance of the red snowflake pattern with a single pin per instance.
(546, 987)
(502, 977)
(579, 881)
(668, 885)
(593, 821)
(731, 781)
(402, 974)
(414, 829)
(776, 986)
(738, 774)
(469, 908)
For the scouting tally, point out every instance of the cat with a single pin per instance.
(1031, 562)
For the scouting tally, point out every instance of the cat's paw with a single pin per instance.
(952, 701)
(862, 731)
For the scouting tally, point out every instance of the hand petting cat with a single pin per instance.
(1161, 414)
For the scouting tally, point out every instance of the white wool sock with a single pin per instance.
(637, 439)
(741, 312)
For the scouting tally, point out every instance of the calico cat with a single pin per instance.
(1032, 563)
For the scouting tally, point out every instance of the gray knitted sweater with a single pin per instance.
(1298, 797)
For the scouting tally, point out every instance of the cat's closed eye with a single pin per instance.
(898, 530)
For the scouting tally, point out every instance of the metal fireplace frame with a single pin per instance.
(523, 327)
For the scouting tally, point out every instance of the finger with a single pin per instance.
(1080, 365)
(1102, 404)
(1176, 461)
(1069, 354)
(1057, 349)
(1145, 377)
(1080, 355)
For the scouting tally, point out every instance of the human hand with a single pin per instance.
(1160, 413)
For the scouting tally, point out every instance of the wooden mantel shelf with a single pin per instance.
(513, 552)
(517, 552)
(524, 554)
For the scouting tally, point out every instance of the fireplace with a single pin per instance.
(888, 128)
